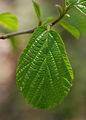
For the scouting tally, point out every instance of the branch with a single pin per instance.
(32, 30)
(16, 33)
(64, 13)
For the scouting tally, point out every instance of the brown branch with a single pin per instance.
(60, 18)
(32, 30)
(16, 33)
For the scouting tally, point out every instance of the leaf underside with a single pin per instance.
(44, 75)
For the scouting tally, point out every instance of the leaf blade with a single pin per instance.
(37, 9)
(81, 8)
(9, 20)
(73, 30)
(71, 1)
(44, 74)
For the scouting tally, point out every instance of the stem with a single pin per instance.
(32, 30)
(57, 20)
(16, 33)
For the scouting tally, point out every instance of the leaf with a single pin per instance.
(14, 44)
(71, 1)
(44, 75)
(48, 21)
(74, 2)
(9, 21)
(81, 8)
(81, 1)
(73, 30)
(60, 9)
(37, 9)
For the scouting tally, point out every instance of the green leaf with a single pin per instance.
(9, 21)
(37, 9)
(71, 1)
(81, 8)
(76, 2)
(60, 9)
(48, 21)
(73, 30)
(81, 1)
(44, 74)
(14, 44)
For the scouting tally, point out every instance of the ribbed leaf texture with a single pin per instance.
(44, 75)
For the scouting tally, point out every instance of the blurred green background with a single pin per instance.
(12, 104)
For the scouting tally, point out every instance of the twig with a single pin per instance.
(32, 30)
(16, 33)
(64, 13)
